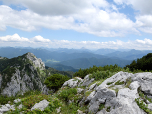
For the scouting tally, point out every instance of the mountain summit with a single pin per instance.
(36, 61)
(21, 74)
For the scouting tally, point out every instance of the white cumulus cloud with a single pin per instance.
(140, 5)
(96, 17)
(14, 38)
(39, 41)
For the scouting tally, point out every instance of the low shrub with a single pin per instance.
(5, 99)
(28, 93)
(30, 101)
(109, 83)
(100, 75)
(128, 82)
(55, 81)
(101, 106)
(67, 94)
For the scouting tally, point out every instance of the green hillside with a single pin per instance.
(144, 63)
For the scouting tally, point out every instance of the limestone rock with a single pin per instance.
(79, 90)
(22, 84)
(145, 81)
(41, 105)
(127, 93)
(120, 76)
(134, 85)
(6, 107)
(20, 106)
(80, 112)
(150, 106)
(93, 86)
(17, 100)
(124, 103)
(58, 110)
(72, 82)
(86, 81)
(45, 90)
(102, 94)
(91, 96)
(37, 61)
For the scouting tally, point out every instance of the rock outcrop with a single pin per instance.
(6, 107)
(117, 94)
(41, 105)
(25, 76)
(36, 61)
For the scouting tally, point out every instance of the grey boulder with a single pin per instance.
(41, 105)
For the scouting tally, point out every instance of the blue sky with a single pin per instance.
(93, 24)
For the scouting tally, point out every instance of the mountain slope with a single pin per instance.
(60, 67)
(129, 55)
(143, 63)
(89, 62)
(23, 73)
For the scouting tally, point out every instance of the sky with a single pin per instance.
(91, 24)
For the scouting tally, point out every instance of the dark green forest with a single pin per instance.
(144, 63)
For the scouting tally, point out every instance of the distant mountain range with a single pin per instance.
(64, 59)
(61, 67)
(129, 55)
(89, 62)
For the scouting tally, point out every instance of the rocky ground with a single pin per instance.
(123, 93)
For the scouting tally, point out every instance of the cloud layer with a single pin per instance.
(39, 41)
(97, 17)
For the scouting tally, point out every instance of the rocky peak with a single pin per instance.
(21, 74)
(37, 61)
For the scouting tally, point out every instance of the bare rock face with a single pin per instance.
(45, 90)
(86, 81)
(101, 96)
(37, 61)
(145, 81)
(25, 78)
(118, 94)
(20, 84)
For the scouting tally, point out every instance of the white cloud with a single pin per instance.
(59, 7)
(144, 16)
(144, 23)
(14, 38)
(39, 41)
(145, 41)
(29, 21)
(144, 6)
(90, 16)
(97, 17)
